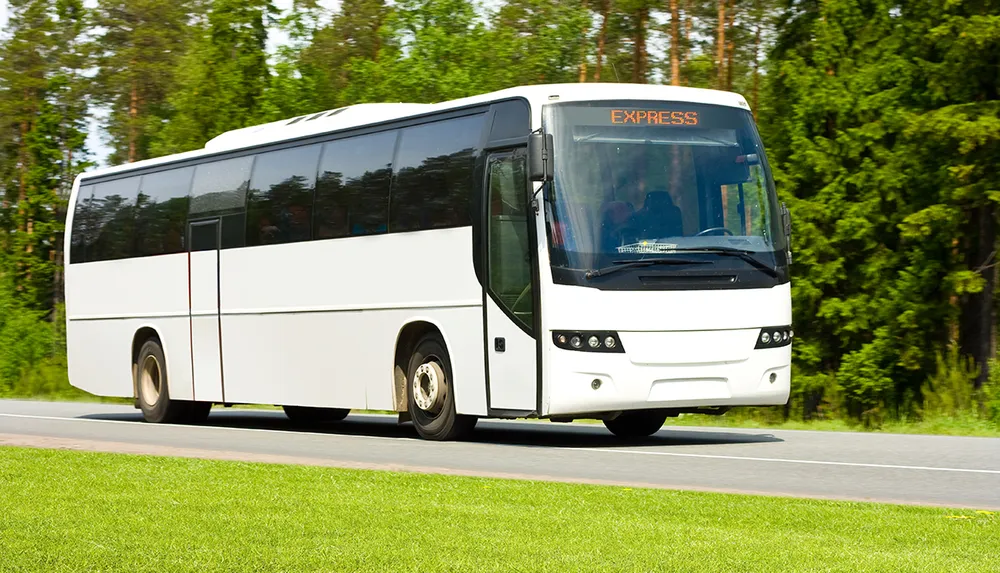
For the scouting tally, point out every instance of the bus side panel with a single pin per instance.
(315, 323)
(341, 359)
(108, 302)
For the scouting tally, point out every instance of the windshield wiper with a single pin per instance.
(636, 263)
(731, 252)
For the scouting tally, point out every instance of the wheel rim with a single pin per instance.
(150, 379)
(428, 387)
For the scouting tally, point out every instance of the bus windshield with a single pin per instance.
(636, 179)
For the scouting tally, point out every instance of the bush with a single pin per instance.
(950, 391)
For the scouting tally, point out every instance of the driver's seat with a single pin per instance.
(659, 217)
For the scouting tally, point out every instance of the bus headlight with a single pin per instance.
(774, 337)
(604, 341)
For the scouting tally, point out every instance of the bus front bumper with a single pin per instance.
(668, 370)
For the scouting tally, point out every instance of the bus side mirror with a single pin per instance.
(540, 157)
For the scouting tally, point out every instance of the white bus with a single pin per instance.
(600, 251)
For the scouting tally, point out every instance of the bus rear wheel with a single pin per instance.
(637, 423)
(153, 390)
(309, 416)
(430, 393)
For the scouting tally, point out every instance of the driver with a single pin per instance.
(659, 217)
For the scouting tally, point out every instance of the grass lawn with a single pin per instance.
(63, 511)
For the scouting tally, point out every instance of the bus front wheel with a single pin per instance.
(153, 390)
(430, 393)
(637, 423)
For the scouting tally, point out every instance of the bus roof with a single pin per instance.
(364, 114)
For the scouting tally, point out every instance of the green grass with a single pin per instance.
(73, 511)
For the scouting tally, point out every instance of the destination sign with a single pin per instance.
(653, 117)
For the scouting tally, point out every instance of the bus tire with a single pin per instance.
(308, 416)
(637, 423)
(430, 394)
(152, 388)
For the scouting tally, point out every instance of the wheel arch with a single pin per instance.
(406, 339)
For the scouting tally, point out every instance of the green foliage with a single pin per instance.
(882, 122)
(137, 55)
(950, 391)
(221, 79)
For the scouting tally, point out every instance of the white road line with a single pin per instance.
(568, 449)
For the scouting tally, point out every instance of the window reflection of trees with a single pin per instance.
(281, 213)
(352, 206)
(435, 194)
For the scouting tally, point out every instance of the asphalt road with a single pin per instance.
(930, 470)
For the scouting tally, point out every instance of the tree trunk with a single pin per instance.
(985, 348)
(756, 69)
(720, 45)
(730, 47)
(977, 337)
(602, 38)
(675, 41)
(639, 55)
(583, 49)
(133, 122)
(688, 24)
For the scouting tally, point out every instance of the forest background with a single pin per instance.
(881, 120)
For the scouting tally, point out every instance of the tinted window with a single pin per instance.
(220, 187)
(205, 236)
(85, 226)
(352, 194)
(433, 179)
(112, 220)
(279, 204)
(161, 212)
(510, 120)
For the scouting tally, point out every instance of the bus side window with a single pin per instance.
(113, 216)
(84, 225)
(352, 192)
(433, 175)
(161, 212)
(279, 202)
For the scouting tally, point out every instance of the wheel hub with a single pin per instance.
(150, 380)
(427, 386)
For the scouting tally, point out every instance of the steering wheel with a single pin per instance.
(714, 230)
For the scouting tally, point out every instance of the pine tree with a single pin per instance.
(43, 109)
(221, 79)
(359, 32)
(137, 55)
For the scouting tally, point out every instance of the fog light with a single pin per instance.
(609, 342)
(774, 377)
(765, 338)
(594, 342)
(575, 342)
(595, 384)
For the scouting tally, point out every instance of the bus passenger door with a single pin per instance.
(510, 286)
(203, 285)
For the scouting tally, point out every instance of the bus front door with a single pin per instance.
(510, 286)
(206, 340)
